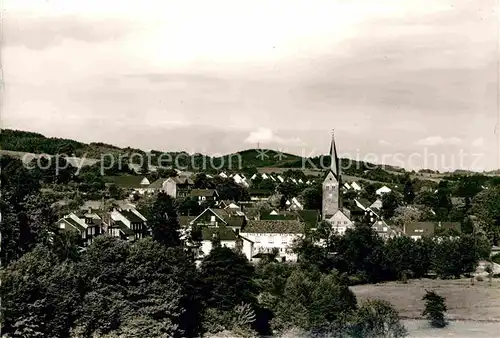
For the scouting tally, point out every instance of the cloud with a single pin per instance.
(267, 136)
(384, 143)
(43, 32)
(479, 142)
(438, 140)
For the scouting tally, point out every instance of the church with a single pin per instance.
(332, 210)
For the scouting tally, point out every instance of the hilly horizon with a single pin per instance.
(36, 143)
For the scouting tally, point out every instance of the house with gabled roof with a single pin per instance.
(386, 229)
(178, 186)
(418, 230)
(213, 217)
(260, 194)
(294, 204)
(205, 195)
(88, 224)
(227, 238)
(383, 190)
(270, 235)
(355, 186)
(128, 224)
(138, 184)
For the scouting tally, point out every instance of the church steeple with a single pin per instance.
(334, 166)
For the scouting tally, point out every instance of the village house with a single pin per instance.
(121, 219)
(226, 237)
(232, 218)
(205, 195)
(88, 224)
(386, 229)
(270, 235)
(127, 224)
(178, 186)
(257, 195)
(417, 230)
(135, 184)
(383, 190)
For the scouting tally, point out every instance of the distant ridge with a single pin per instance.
(18, 142)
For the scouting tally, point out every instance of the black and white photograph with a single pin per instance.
(250, 168)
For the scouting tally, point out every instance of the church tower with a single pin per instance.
(331, 185)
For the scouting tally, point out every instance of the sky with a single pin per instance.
(412, 83)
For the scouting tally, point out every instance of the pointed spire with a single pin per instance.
(334, 166)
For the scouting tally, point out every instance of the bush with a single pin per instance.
(435, 308)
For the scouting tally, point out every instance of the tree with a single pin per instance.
(486, 207)
(314, 301)
(409, 194)
(377, 318)
(405, 215)
(435, 308)
(125, 282)
(227, 279)
(163, 221)
(312, 197)
(362, 252)
(188, 206)
(390, 203)
(40, 295)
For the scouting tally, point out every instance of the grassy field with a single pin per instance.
(478, 302)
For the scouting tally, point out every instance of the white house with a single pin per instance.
(383, 190)
(281, 179)
(228, 238)
(294, 204)
(269, 235)
(377, 204)
(347, 186)
(223, 175)
(340, 222)
(355, 186)
(264, 176)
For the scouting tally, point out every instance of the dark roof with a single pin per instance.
(182, 180)
(158, 184)
(230, 216)
(224, 233)
(364, 202)
(132, 217)
(413, 229)
(448, 226)
(274, 226)
(127, 181)
(72, 222)
(260, 192)
(203, 192)
(380, 224)
(123, 228)
(283, 215)
(429, 228)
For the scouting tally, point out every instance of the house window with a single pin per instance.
(212, 218)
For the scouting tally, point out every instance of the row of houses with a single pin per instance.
(122, 221)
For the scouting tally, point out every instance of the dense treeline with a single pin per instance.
(366, 258)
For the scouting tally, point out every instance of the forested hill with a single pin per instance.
(22, 141)
(30, 142)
